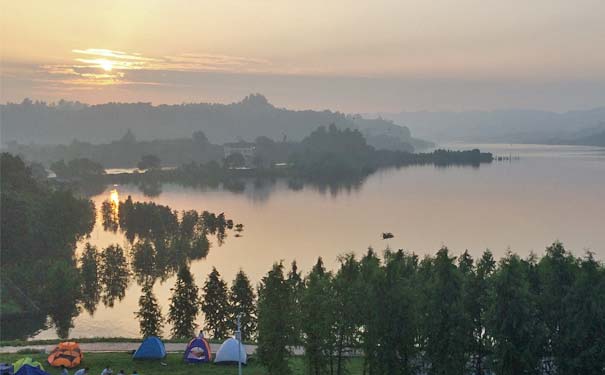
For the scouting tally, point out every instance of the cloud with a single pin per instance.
(101, 67)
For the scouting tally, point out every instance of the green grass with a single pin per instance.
(174, 361)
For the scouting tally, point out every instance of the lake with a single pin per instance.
(550, 193)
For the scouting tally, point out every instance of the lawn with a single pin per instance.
(174, 365)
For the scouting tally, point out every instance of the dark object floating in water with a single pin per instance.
(386, 236)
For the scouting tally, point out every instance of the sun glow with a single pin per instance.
(106, 65)
(114, 200)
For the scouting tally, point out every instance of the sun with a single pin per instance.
(106, 65)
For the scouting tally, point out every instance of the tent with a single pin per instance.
(31, 370)
(26, 361)
(151, 348)
(198, 351)
(66, 354)
(230, 352)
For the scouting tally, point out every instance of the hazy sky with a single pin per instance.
(355, 56)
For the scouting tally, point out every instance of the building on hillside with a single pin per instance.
(246, 149)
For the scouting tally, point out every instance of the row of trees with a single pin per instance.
(219, 304)
(439, 315)
(405, 315)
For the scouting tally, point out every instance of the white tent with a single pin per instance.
(230, 352)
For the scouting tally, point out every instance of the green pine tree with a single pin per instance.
(511, 319)
(275, 321)
(150, 313)
(317, 312)
(243, 303)
(215, 306)
(184, 305)
(446, 325)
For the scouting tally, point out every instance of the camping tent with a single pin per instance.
(230, 352)
(151, 348)
(66, 354)
(26, 361)
(31, 370)
(198, 351)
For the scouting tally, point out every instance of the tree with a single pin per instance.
(370, 275)
(512, 319)
(200, 138)
(317, 307)
(274, 321)
(89, 274)
(397, 324)
(150, 313)
(114, 274)
(347, 287)
(476, 301)
(184, 305)
(243, 303)
(235, 160)
(215, 305)
(584, 322)
(446, 325)
(296, 284)
(149, 162)
(557, 271)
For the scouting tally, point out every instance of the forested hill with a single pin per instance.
(254, 116)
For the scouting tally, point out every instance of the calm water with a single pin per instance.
(551, 193)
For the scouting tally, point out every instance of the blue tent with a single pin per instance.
(231, 352)
(198, 351)
(31, 370)
(151, 348)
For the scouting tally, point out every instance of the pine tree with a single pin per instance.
(215, 305)
(296, 284)
(243, 303)
(446, 324)
(150, 313)
(398, 318)
(512, 319)
(317, 310)
(275, 321)
(347, 290)
(184, 305)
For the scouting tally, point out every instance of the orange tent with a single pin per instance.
(67, 354)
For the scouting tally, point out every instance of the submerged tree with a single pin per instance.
(114, 274)
(243, 304)
(89, 274)
(184, 305)
(150, 313)
(274, 321)
(215, 305)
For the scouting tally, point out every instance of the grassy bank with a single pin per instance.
(175, 365)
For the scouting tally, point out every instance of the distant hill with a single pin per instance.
(503, 126)
(254, 116)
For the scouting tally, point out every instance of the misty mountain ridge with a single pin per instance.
(505, 126)
(254, 116)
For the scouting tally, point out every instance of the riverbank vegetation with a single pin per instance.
(328, 155)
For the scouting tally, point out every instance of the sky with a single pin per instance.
(348, 55)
